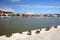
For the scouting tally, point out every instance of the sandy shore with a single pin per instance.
(52, 34)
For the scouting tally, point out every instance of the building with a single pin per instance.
(57, 15)
(39, 15)
(5, 13)
(48, 15)
(1, 13)
(8, 13)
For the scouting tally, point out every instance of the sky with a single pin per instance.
(33, 6)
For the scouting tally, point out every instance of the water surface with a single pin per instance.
(18, 24)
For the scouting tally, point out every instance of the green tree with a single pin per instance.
(13, 15)
(17, 14)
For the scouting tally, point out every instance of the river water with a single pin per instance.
(20, 24)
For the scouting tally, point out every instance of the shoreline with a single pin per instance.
(30, 16)
(45, 33)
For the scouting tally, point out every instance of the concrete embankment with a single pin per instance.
(48, 33)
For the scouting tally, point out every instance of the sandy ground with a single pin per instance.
(52, 34)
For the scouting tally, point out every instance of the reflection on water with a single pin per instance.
(18, 24)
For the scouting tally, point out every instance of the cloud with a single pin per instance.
(11, 0)
(8, 9)
(29, 13)
(46, 6)
(24, 5)
(34, 6)
(15, 0)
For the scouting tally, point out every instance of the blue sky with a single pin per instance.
(35, 6)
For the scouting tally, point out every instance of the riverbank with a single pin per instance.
(52, 33)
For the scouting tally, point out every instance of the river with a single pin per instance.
(20, 24)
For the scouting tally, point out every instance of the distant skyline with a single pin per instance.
(34, 6)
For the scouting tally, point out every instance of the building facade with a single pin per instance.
(1, 13)
(5, 13)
